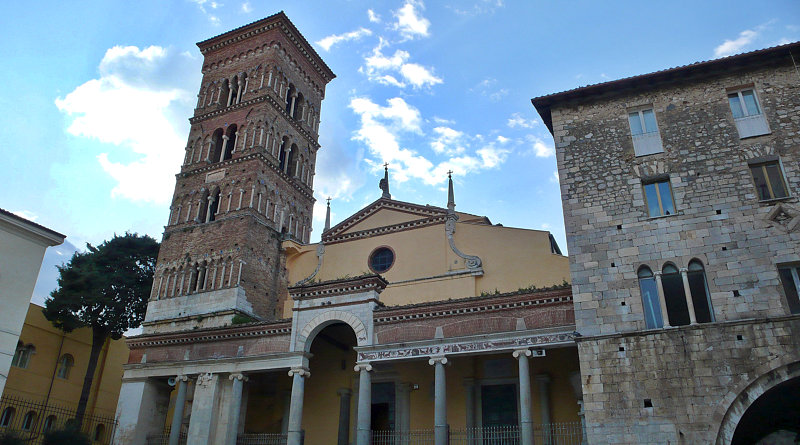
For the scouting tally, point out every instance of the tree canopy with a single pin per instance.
(106, 287)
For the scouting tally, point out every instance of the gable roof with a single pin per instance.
(427, 215)
(48, 236)
(762, 57)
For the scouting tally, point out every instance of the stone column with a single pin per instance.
(469, 402)
(286, 159)
(364, 415)
(688, 291)
(344, 416)
(525, 418)
(403, 411)
(177, 412)
(225, 139)
(440, 400)
(543, 380)
(205, 407)
(295, 426)
(235, 407)
(661, 300)
(291, 109)
(141, 410)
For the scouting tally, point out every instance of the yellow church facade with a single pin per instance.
(46, 376)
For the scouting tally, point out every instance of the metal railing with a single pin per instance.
(30, 421)
(562, 433)
(261, 439)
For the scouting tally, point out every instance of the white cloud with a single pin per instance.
(383, 129)
(479, 7)
(211, 4)
(247, 7)
(27, 214)
(540, 148)
(373, 17)
(136, 107)
(327, 42)
(730, 47)
(516, 120)
(488, 88)
(410, 23)
(554, 179)
(379, 68)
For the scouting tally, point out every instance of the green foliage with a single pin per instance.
(66, 437)
(242, 319)
(11, 438)
(105, 288)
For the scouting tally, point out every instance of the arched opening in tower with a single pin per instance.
(772, 418)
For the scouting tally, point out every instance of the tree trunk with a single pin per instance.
(99, 336)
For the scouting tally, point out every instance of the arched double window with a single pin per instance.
(650, 302)
(29, 421)
(65, 364)
(22, 356)
(7, 417)
(674, 295)
(49, 423)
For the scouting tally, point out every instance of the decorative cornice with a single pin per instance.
(472, 262)
(428, 216)
(472, 305)
(249, 330)
(263, 25)
(345, 286)
(311, 138)
(298, 185)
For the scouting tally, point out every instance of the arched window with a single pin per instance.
(49, 423)
(289, 94)
(22, 356)
(29, 421)
(99, 432)
(65, 364)
(202, 210)
(213, 206)
(291, 167)
(674, 296)
(216, 146)
(701, 298)
(228, 144)
(652, 307)
(7, 417)
(282, 154)
(234, 91)
(298, 106)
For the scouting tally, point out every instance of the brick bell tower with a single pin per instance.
(246, 182)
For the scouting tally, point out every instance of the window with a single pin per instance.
(29, 421)
(644, 131)
(790, 277)
(658, 195)
(7, 417)
(674, 296)
(99, 432)
(65, 364)
(747, 113)
(381, 259)
(652, 307)
(22, 356)
(768, 179)
(698, 286)
(49, 422)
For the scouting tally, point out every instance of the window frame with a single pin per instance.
(655, 181)
(374, 252)
(794, 271)
(644, 143)
(748, 125)
(738, 92)
(763, 163)
(65, 364)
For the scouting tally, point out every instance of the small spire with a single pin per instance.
(384, 184)
(328, 216)
(451, 202)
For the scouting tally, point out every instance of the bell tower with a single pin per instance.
(246, 182)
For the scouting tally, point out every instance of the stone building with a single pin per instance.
(406, 322)
(680, 193)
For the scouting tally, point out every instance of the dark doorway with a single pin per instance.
(498, 413)
(383, 411)
(775, 414)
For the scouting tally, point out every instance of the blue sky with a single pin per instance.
(97, 97)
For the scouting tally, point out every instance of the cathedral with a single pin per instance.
(407, 323)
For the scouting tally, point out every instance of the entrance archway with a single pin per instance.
(773, 416)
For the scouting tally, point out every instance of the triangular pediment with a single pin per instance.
(384, 216)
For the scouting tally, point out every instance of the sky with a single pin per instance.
(97, 98)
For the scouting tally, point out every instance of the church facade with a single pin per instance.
(406, 323)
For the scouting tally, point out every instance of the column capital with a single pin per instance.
(299, 370)
(437, 359)
(657, 274)
(181, 378)
(683, 270)
(362, 366)
(344, 392)
(238, 376)
(522, 352)
(225, 136)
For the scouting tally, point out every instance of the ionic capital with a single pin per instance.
(520, 352)
(437, 359)
(181, 378)
(362, 366)
(300, 370)
(238, 376)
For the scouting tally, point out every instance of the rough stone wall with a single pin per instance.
(689, 374)
(719, 220)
